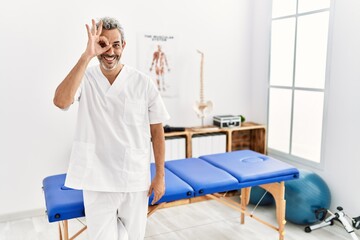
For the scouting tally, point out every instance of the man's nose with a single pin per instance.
(110, 51)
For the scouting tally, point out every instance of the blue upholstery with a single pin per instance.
(175, 188)
(185, 178)
(62, 203)
(202, 176)
(251, 168)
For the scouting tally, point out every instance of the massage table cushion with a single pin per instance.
(251, 168)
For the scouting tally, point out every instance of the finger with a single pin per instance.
(103, 50)
(88, 30)
(93, 29)
(106, 48)
(99, 30)
(104, 40)
(157, 196)
(155, 199)
(150, 191)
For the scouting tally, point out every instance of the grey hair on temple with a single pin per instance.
(112, 23)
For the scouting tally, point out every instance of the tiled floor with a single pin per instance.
(208, 220)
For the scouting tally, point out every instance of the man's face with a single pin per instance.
(110, 59)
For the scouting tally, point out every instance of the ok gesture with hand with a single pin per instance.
(96, 44)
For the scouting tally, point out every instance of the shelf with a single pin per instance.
(249, 136)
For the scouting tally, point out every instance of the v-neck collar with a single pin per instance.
(118, 83)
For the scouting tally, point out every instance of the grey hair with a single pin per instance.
(112, 23)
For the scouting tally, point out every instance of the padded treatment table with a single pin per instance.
(175, 187)
(251, 168)
(185, 179)
(64, 203)
(254, 169)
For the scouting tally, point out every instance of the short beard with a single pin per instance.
(100, 58)
(109, 69)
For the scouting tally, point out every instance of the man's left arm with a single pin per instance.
(158, 140)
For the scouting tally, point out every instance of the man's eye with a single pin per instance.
(102, 44)
(116, 45)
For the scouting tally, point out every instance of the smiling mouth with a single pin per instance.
(109, 58)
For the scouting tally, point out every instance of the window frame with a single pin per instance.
(288, 157)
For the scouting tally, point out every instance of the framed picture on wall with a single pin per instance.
(156, 57)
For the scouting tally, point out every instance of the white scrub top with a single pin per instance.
(111, 149)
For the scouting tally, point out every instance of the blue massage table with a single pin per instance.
(187, 179)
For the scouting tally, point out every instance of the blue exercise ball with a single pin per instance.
(304, 196)
(257, 197)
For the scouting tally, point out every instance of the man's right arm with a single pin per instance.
(65, 92)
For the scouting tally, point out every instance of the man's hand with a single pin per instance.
(158, 140)
(96, 44)
(158, 187)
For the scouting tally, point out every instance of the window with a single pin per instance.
(297, 78)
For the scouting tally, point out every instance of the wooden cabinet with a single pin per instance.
(249, 136)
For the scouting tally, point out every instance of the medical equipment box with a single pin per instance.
(225, 121)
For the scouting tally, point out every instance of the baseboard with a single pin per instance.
(22, 215)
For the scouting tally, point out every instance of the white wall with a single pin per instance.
(342, 131)
(42, 40)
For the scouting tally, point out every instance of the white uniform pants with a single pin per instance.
(116, 216)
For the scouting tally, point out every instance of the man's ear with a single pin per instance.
(123, 44)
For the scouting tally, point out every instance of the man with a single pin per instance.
(160, 60)
(120, 110)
